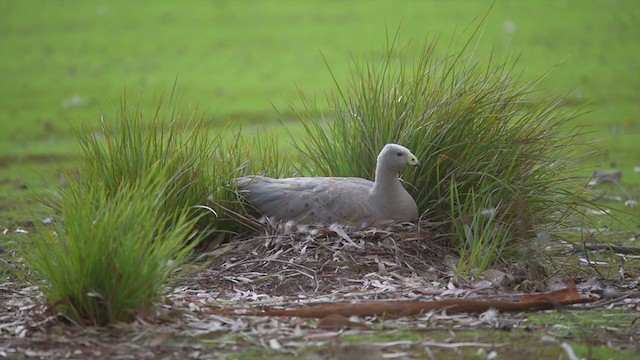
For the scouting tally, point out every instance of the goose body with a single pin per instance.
(344, 200)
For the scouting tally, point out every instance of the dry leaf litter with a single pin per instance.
(287, 266)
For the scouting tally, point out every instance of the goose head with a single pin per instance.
(396, 157)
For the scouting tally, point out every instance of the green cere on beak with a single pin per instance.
(412, 160)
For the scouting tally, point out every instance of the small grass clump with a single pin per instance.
(113, 251)
(494, 159)
(480, 235)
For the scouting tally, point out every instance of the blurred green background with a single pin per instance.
(64, 63)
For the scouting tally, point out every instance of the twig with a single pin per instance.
(559, 269)
(242, 262)
(607, 302)
(247, 220)
(617, 248)
(436, 344)
(460, 344)
(586, 255)
(569, 350)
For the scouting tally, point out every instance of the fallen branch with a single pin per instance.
(448, 345)
(533, 302)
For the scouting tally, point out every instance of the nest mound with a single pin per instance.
(289, 260)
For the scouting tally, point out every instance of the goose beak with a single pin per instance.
(412, 160)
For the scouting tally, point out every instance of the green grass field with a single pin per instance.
(63, 64)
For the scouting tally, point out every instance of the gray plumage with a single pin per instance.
(344, 200)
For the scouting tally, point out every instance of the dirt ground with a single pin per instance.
(298, 267)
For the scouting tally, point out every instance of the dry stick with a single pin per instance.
(314, 276)
(602, 303)
(250, 222)
(564, 263)
(407, 308)
(436, 344)
(586, 255)
(460, 344)
(242, 262)
(569, 350)
(617, 248)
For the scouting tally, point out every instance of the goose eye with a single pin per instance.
(399, 154)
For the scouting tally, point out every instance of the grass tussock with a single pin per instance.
(187, 151)
(151, 188)
(486, 144)
(114, 251)
(196, 159)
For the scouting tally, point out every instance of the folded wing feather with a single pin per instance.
(327, 200)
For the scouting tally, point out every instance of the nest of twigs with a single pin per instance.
(290, 259)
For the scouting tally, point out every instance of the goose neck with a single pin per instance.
(386, 179)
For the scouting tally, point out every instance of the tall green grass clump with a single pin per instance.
(196, 160)
(151, 187)
(114, 250)
(486, 144)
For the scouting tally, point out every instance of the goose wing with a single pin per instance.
(312, 199)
